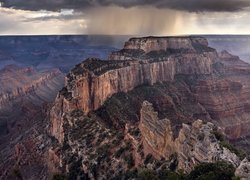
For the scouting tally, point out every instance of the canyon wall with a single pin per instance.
(92, 82)
(220, 81)
(25, 95)
(195, 143)
(99, 80)
(17, 82)
(186, 81)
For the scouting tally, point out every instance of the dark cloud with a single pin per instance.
(186, 5)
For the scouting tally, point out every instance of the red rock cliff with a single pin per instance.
(222, 88)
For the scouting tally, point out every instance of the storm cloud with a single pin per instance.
(185, 5)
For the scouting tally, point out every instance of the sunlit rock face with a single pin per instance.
(221, 80)
(185, 80)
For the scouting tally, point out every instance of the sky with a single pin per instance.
(124, 17)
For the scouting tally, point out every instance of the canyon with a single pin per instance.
(55, 51)
(184, 80)
(25, 97)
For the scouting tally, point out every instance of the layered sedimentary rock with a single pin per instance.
(25, 94)
(18, 82)
(220, 80)
(149, 46)
(94, 81)
(226, 97)
(91, 83)
(195, 143)
(185, 79)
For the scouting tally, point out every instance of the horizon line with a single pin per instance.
(138, 35)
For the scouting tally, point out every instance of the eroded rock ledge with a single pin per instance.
(195, 143)
(186, 77)
(93, 81)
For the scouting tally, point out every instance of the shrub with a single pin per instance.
(119, 152)
(18, 174)
(174, 162)
(236, 151)
(59, 177)
(130, 160)
(215, 171)
(131, 174)
(171, 175)
(201, 136)
(149, 159)
(146, 174)
(218, 135)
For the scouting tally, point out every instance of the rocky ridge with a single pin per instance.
(91, 83)
(215, 83)
(17, 82)
(195, 143)
(25, 95)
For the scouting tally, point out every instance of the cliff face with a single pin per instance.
(17, 82)
(24, 97)
(91, 83)
(94, 81)
(221, 80)
(195, 143)
(149, 46)
(226, 97)
(184, 79)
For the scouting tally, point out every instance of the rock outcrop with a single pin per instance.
(24, 97)
(243, 171)
(17, 82)
(94, 81)
(148, 46)
(195, 143)
(221, 80)
(186, 80)
(91, 83)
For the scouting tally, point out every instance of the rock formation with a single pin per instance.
(18, 82)
(243, 170)
(91, 83)
(221, 80)
(189, 81)
(24, 97)
(195, 143)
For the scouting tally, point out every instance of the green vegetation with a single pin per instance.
(119, 152)
(17, 174)
(174, 162)
(130, 160)
(236, 151)
(149, 159)
(224, 143)
(201, 136)
(134, 132)
(218, 135)
(215, 171)
(59, 177)
(65, 93)
(206, 171)
(171, 175)
(146, 174)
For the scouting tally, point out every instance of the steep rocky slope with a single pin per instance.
(24, 97)
(182, 77)
(195, 143)
(17, 82)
